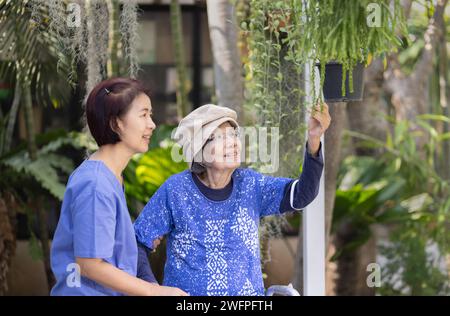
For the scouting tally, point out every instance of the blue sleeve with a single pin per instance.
(272, 192)
(144, 270)
(305, 189)
(94, 225)
(155, 219)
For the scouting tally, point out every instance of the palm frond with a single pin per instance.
(31, 50)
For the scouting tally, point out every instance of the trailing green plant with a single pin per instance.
(400, 189)
(101, 36)
(343, 31)
(273, 78)
(274, 90)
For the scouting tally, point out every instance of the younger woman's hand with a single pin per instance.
(172, 291)
(156, 242)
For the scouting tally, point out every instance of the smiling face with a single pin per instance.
(136, 126)
(222, 151)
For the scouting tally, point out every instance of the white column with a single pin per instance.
(314, 225)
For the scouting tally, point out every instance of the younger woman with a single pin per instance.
(94, 249)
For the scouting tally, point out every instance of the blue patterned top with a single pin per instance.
(212, 246)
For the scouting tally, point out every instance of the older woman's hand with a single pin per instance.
(318, 123)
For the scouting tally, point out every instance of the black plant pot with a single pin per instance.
(332, 86)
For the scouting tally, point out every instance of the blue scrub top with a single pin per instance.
(94, 223)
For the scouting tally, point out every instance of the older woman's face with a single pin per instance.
(223, 149)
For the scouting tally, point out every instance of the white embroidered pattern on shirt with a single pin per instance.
(247, 289)
(182, 244)
(215, 258)
(246, 228)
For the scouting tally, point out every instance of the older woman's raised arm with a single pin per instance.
(302, 191)
(280, 195)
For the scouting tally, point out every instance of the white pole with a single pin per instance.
(314, 225)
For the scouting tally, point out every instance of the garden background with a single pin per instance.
(387, 166)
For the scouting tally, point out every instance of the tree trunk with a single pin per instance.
(333, 142)
(227, 62)
(352, 266)
(45, 240)
(93, 65)
(7, 241)
(333, 145)
(367, 117)
(409, 93)
(42, 218)
(444, 87)
(112, 66)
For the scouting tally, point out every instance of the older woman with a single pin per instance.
(211, 212)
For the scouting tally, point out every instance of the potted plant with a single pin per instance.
(344, 36)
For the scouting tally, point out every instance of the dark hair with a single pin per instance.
(110, 99)
(197, 168)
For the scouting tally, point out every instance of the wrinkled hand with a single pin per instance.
(318, 123)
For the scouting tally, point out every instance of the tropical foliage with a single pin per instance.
(145, 173)
(400, 189)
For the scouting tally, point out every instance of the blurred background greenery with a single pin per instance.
(388, 156)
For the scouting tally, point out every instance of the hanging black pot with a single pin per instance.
(332, 86)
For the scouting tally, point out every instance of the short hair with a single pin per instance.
(110, 99)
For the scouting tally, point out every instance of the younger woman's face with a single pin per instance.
(136, 126)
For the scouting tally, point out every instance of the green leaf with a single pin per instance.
(434, 117)
(391, 190)
(148, 172)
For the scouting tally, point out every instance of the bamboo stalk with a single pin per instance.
(28, 109)
(177, 41)
(12, 117)
(111, 37)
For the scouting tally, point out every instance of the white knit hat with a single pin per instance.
(194, 130)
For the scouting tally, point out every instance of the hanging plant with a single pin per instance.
(274, 79)
(345, 35)
(101, 35)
